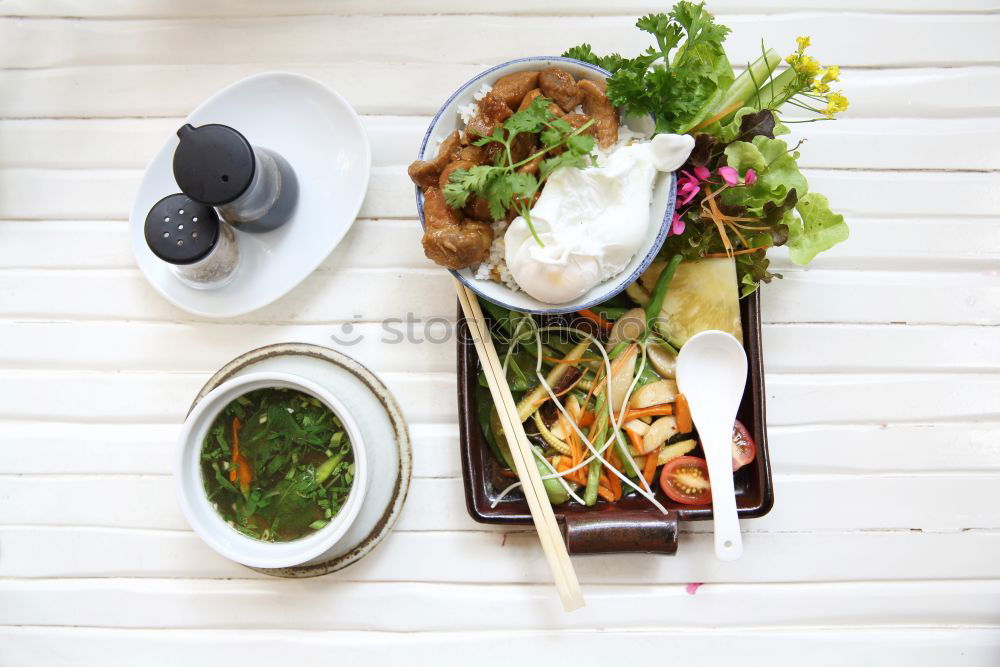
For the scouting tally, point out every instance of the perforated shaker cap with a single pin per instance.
(180, 230)
(213, 164)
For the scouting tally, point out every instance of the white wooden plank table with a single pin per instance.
(883, 358)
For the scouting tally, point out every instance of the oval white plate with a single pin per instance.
(321, 136)
(661, 208)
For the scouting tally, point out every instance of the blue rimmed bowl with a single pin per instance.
(661, 208)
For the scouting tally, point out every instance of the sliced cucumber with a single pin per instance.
(703, 295)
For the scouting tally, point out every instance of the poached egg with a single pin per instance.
(592, 221)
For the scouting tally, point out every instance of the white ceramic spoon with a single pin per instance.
(711, 373)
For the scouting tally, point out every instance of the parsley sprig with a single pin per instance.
(678, 89)
(501, 184)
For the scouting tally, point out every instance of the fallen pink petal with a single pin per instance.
(691, 589)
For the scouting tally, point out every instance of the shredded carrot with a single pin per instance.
(606, 493)
(717, 218)
(586, 419)
(658, 410)
(246, 473)
(236, 449)
(635, 439)
(574, 449)
(743, 251)
(684, 424)
(649, 469)
(507, 473)
(597, 319)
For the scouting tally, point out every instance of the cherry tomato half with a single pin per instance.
(744, 448)
(685, 480)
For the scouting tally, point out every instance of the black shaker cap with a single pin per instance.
(213, 164)
(180, 230)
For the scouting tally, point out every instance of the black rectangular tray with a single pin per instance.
(631, 524)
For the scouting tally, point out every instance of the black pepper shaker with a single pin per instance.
(189, 235)
(254, 188)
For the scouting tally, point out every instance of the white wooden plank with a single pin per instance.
(325, 604)
(398, 39)
(98, 194)
(54, 447)
(754, 647)
(946, 501)
(885, 449)
(74, 448)
(515, 557)
(932, 244)
(419, 89)
(108, 194)
(391, 346)
(792, 399)
(430, 346)
(849, 143)
(98, 397)
(794, 348)
(802, 296)
(262, 8)
(131, 142)
(106, 244)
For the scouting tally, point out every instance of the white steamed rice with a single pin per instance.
(468, 110)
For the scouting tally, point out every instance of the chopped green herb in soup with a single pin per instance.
(277, 464)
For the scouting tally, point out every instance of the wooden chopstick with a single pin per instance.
(521, 452)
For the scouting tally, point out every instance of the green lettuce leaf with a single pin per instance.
(819, 229)
(742, 155)
(777, 173)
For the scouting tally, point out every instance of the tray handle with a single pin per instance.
(620, 531)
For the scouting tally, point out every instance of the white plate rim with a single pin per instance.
(355, 209)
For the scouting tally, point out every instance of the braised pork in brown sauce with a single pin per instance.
(448, 239)
(426, 173)
(459, 238)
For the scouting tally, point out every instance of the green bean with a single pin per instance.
(660, 292)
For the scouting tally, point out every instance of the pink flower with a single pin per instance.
(729, 175)
(750, 178)
(677, 226)
(687, 189)
(702, 173)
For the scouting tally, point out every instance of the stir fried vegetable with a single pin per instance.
(598, 400)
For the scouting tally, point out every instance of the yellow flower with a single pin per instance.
(803, 43)
(807, 65)
(835, 103)
(832, 74)
(792, 59)
(821, 87)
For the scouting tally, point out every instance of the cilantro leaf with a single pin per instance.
(502, 185)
